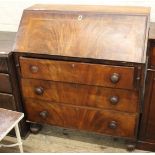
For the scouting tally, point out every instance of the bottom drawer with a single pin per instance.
(88, 119)
(7, 101)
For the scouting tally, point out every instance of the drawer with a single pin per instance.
(74, 72)
(3, 65)
(100, 121)
(5, 85)
(82, 95)
(7, 101)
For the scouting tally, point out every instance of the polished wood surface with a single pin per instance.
(83, 68)
(83, 73)
(5, 85)
(81, 95)
(101, 121)
(84, 34)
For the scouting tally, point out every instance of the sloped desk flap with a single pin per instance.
(98, 32)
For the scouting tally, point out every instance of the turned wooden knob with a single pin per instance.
(34, 69)
(115, 77)
(44, 114)
(114, 99)
(113, 125)
(39, 90)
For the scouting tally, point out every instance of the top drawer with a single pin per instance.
(74, 72)
(3, 65)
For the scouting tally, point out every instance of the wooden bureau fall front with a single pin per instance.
(83, 67)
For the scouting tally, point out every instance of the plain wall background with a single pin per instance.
(11, 10)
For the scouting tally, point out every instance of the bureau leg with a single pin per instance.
(130, 146)
(35, 128)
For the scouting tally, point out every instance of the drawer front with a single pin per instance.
(82, 95)
(101, 121)
(83, 73)
(7, 101)
(3, 65)
(5, 85)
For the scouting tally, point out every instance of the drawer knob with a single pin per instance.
(113, 125)
(39, 90)
(44, 114)
(115, 77)
(34, 69)
(114, 99)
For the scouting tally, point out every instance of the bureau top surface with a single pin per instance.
(91, 8)
(6, 42)
(96, 32)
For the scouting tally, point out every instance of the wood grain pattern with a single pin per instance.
(84, 34)
(81, 118)
(81, 95)
(84, 73)
(5, 84)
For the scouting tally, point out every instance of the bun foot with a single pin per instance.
(35, 128)
(131, 147)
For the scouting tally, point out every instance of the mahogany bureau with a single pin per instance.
(83, 67)
(9, 93)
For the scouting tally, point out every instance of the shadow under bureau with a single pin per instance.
(83, 67)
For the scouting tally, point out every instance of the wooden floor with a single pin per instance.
(54, 139)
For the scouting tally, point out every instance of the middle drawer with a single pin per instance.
(81, 95)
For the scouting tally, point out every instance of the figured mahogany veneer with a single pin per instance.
(98, 33)
(81, 95)
(83, 67)
(96, 120)
(74, 72)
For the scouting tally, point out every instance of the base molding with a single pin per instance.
(144, 145)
